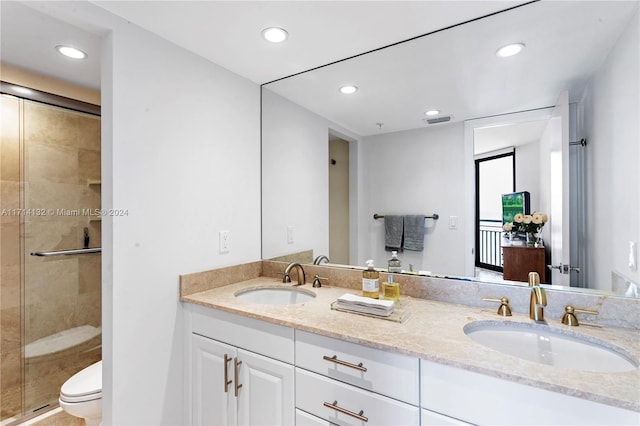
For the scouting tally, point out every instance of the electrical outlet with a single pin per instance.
(290, 234)
(225, 241)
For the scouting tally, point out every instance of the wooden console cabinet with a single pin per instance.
(518, 261)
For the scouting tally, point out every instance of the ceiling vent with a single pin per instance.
(437, 120)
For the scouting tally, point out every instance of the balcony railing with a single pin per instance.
(490, 244)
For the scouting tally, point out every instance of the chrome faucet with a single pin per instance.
(301, 276)
(538, 298)
(320, 258)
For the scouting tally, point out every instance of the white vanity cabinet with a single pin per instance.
(480, 399)
(231, 385)
(292, 377)
(349, 384)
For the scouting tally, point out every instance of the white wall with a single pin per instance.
(181, 154)
(527, 172)
(403, 173)
(611, 110)
(295, 164)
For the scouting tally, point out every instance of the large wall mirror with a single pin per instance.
(331, 161)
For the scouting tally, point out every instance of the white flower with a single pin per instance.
(508, 227)
(526, 219)
(537, 218)
(519, 217)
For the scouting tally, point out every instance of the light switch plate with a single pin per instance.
(453, 222)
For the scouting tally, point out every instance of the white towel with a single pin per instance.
(365, 305)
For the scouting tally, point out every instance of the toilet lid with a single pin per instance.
(85, 382)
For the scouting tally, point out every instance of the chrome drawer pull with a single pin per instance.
(227, 382)
(358, 416)
(345, 363)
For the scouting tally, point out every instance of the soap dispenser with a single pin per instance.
(394, 264)
(390, 289)
(371, 281)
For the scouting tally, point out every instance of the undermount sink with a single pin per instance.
(275, 295)
(545, 345)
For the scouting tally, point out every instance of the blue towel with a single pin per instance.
(393, 232)
(414, 232)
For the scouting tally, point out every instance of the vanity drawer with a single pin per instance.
(386, 373)
(314, 392)
(305, 419)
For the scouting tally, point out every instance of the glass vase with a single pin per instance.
(538, 242)
(531, 239)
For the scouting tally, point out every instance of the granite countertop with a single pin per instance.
(434, 331)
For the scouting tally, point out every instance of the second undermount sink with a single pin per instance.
(545, 345)
(275, 295)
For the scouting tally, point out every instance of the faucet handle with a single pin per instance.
(569, 317)
(504, 309)
(316, 281)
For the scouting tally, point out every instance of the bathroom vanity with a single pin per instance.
(307, 364)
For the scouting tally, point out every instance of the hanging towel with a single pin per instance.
(414, 232)
(393, 232)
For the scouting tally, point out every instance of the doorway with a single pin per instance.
(495, 175)
(338, 200)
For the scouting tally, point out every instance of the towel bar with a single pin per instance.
(381, 216)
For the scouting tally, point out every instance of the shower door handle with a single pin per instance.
(67, 252)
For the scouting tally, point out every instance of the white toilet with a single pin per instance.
(81, 395)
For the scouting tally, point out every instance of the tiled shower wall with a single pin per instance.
(55, 153)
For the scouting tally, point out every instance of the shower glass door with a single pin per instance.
(51, 172)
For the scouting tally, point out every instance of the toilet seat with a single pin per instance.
(83, 386)
(83, 398)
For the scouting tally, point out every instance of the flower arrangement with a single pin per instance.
(527, 223)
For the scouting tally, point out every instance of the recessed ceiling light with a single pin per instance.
(71, 52)
(274, 34)
(349, 89)
(432, 112)
(22, 90)
(510, 50)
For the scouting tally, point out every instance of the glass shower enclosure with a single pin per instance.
(50, 299)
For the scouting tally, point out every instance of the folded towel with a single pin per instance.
(393, 232)
(413, 232)
(365, 305)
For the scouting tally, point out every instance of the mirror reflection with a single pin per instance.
(564, 111)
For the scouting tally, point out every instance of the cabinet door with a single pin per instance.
(213, 399)
(266, 393)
